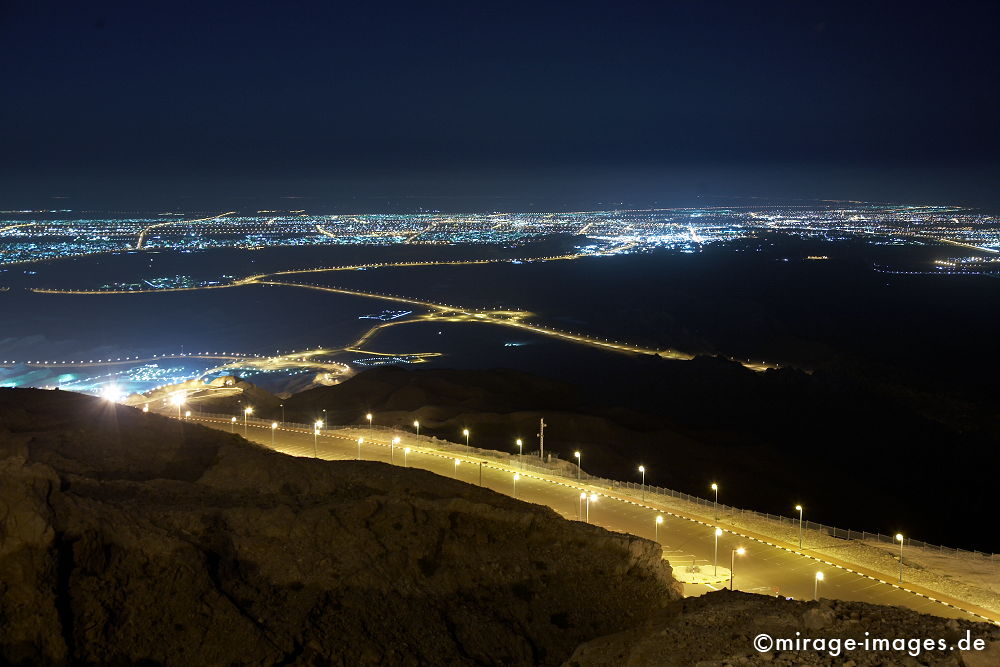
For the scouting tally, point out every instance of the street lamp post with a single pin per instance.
(456, 467)
(592, 498)
(899, 538)
(274, 427)
(246, 413)
(799, 508)
(392, 451)
(715, 487)
(282, 413)
(819, 578)
(579, 464)
(369, 418)
(232, 425)
(732, 564)
(315, 437)
(465, 432)
(718, 532)
(360, 440)
(416, 425)
(517, 476)
(642, 469)
(406, 450)
(178, 400)
(520, 452)
(579, 510)
(187, 414)
(658, 523)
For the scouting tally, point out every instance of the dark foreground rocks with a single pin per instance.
(129, 538)
(720, 629)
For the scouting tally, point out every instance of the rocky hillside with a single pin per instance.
(130, 538)
(720, 629)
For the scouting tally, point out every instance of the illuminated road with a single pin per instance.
(500, 318)
(9, 227)
(438, 311)
(144, 232)
(766, 568)
(131, 360)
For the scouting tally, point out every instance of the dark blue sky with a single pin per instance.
(496, 105)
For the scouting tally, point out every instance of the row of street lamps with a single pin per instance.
(585, 499)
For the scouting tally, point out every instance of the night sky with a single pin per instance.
(368, 106)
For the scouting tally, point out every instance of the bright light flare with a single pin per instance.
(112, 393)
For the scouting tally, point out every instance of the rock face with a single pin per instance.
(720, 628)
(127, 537)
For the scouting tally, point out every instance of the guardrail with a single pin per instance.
(570, 470)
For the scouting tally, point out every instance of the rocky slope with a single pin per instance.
(127, 538)
(720, 629)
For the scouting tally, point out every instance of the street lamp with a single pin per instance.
(178, 400)
(732, 564)
(274, 427)
(456, 467)
(718, 532)
(517, 476)
(246, 413)
(282, 413)
(642, 469)
(715, 487)
(145, 408)
(579, 510)
(799, 508)
(416, 425)
(819, 578)
(899, 538)
(520, 452)
(369, 418)
(579, 464)
(360, 440)
(658, 523)
(465, 432)
(406, 451)
(392, 450)
(187, 414)
(315, 437)
(232, 425)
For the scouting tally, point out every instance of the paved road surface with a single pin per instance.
(763, 569)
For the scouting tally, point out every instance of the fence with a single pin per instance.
(569, 470)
